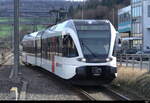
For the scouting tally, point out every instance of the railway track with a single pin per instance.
(122, 97)
(81, 93)
(86, 93)
(112, 95)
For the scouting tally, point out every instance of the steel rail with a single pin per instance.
(84, 93)
(116, 94)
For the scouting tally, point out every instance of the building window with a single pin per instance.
(125, 17)
(148, 10)
(137, 11)
(135, 1)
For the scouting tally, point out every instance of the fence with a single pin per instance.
(141, 61)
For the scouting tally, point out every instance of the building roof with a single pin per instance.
(125, 9)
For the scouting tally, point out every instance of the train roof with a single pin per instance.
(72, 22)
(30, 36)
(68, 23)
(85, 21)
(89, 21)
(80, 21)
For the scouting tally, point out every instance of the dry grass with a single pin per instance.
(135, 79)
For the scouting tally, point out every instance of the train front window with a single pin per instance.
(94, 40)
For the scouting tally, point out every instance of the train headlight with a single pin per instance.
(82, 59)
(109, 59)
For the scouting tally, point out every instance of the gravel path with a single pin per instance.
(5, 86)
(99, 93)
(5, 83)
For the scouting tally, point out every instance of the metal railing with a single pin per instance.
(141, 61)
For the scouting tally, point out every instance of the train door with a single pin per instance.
(38, 51)
(43, 49)
(57, 59)
(57, 56)
(40, 47)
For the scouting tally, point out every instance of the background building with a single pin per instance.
(136, 29)
(139, 29)
(140, 10)
(124, 20)
(124, 23)
(146, 25)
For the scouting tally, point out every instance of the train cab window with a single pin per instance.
(114, 48)
(69, 48)
(28, 47)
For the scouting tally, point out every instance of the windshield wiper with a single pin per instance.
(88, 48)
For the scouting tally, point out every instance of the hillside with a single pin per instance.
(27, 7)
(93, 9)
(100, 9)
(30, 11)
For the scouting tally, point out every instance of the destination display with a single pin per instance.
(92, 27)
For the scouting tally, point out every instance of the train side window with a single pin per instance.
(45, 45)
(24, 46)
(69, 48)
(30, 47)
(60, 46)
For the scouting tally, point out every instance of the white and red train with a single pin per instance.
(80, 51)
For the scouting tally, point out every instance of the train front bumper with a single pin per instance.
(95, 74)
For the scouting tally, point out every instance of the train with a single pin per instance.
(78, 51)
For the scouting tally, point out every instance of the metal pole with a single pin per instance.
(121, 60)
(131, 22)
(126, 60)
(113, 16)
(16, 38)
(83, 4)
(142, 24)
(133, 61)
(149, 62)
(141, 61)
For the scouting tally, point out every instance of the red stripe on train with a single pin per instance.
(53, 64)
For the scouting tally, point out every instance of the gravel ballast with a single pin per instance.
(6, 83)
(41, 86)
